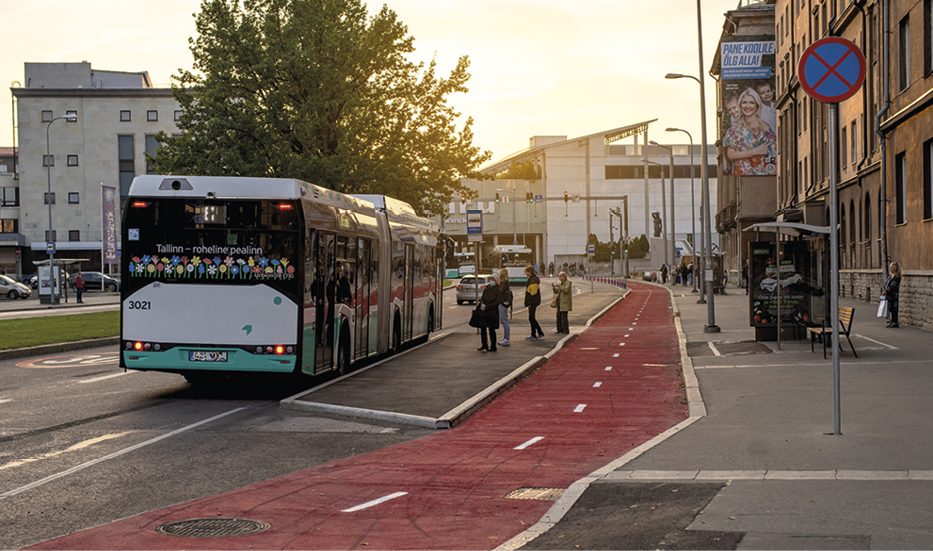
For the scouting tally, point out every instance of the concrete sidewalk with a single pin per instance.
(775, 475)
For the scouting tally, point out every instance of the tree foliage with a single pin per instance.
(319, 90)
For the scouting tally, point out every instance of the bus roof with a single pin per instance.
(154, 185)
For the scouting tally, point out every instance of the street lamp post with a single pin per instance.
(670, 174)
(663, 200)
(693, 208)
(48, 199)
(711, 326)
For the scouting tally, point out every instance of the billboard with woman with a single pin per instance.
(749, 119)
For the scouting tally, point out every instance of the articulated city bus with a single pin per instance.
(271, 275)
(513, 258)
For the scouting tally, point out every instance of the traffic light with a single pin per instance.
(566, 196)
(463, 198)
(497, 198)
(530, 197)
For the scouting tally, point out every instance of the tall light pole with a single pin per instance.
(693, 208)
(670, 173)
(663, 200)
(50, 243)
(711, 326)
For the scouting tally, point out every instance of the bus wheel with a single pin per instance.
(343, 351)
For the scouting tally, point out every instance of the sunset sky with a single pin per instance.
(539, 67)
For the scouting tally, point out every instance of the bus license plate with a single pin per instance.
(203, 356)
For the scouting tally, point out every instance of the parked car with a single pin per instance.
(650, 276)
(466, 289)
(26, 278)
(97, 281)
(11, 288)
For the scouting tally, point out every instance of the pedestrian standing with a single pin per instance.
(663, 273)
(505, 302)
(532, 301)
(564, 302)
(79, 286)
(891, 293)
(550, 269)
(489, 311)
(745, 277)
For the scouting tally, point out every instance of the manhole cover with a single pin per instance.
(212, 527)
(545, 494)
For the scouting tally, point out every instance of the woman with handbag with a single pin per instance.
(564, 302)
(532, 301)
(891, 293)
(488, 309)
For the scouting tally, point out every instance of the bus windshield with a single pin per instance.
(211, 241)
(516, 260)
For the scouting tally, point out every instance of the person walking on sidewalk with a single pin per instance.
(505, 302)
(532, 301)
(79, 287)
(564, 302)
(489, 308)
(891, 292)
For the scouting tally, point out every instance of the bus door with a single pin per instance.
(346, 284)
(409, 294)
(362, 297)
(325, 262)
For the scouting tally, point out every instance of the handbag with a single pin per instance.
(555, 301)
(883, 308)
(476, 319)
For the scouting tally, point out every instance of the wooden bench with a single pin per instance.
(823, 332)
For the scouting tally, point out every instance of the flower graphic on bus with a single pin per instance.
(216, 267)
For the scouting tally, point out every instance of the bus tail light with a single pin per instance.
(285, 206)
(137, 346)
(279, 350)
(140, 204)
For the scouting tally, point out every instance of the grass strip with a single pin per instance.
(26, 332)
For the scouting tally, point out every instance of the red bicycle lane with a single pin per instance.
(614, 387)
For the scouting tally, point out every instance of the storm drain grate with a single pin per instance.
(544, 494)
(212, 527)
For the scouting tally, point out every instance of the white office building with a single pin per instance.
(118, 115)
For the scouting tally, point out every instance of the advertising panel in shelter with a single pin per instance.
(749, 119)
(796, 276)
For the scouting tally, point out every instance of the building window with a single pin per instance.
(54, 235)
(928, 36)
(152, 116)
(125, 116)
(74, 235)
(72, 160)
(45, 198)
(9, 196)
(844, 143)
(127, 165)
(900, 188)
(72, 112)
(73, 198)
(152, 148)
(48, 160)
(9, 226)
(928, 180)
(903, 60)
(177, 115)
(854, 141)
(47, 116)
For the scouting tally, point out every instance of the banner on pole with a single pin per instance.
(108, 224)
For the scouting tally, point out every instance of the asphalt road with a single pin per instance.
(83, 443)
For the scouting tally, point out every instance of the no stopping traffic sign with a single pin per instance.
(831, 70)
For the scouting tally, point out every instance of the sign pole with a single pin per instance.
(834, 265)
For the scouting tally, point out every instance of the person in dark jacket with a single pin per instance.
(489, 306)
(891, 292)
(532, 301)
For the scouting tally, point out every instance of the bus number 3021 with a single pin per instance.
(139, 305)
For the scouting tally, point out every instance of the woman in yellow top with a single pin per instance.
(532, 301)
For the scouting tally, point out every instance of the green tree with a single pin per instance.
(319, 90)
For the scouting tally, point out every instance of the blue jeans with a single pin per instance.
(504, 321)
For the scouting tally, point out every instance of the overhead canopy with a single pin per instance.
(61, 261)
(789, 228)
